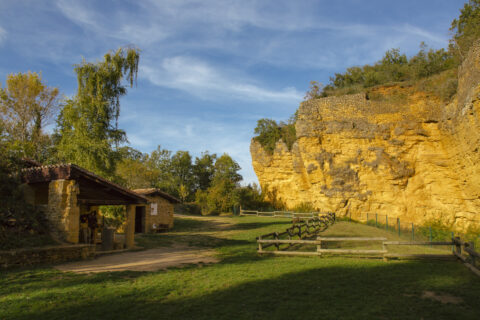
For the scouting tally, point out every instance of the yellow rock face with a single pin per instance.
(395, 151)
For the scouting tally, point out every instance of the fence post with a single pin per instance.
(453, 241)
(472, 246)
(277, 245)
(376, 220)
(398, 225)
(367, 217)
(430, 235)
(413, 232)
(386, 222)
(458, 246)
(319, 246)
(260, 249)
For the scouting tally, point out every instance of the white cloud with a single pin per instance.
(423, 34)
(202, 80)
(3, 35)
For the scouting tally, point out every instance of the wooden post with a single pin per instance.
(276, 244)
(260, 249)
(376, 219)
(384, 248)
(367, 217)
(453, 241)
(398, 226)
(130, 227)
(458, 246)
(319, 247)
(430, 233)
(472, 246)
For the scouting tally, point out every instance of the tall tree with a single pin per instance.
(88, 132)
(26, 107)
(203, 170)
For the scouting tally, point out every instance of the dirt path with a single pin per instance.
(154, 259)
(148, 260)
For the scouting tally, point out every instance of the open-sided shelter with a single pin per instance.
(66, 191)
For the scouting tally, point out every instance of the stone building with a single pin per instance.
(67, 191)
(157, 214)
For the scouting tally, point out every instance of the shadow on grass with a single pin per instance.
(41, 278)
(333, 291)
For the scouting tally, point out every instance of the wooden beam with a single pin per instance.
(414, 243)
(291, 253)
(352, 251)
(420, 256)
(350, 239)
(104, 202)
(312, 242)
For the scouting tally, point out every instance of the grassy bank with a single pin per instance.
(246, 286)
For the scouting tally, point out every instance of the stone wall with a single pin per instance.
(45, 255)
(404, 153)
(63, 211)
(164, 214)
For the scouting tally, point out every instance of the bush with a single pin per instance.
(190, 208)
(268, 132)
(20, 223)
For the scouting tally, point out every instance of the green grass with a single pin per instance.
(244, 285)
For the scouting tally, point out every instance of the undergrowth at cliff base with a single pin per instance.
(244, 285)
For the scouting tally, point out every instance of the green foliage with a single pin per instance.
(304, 207)
(251, 197)
(222, 195)
(393, 67)
(87, 132)
(466, 28)
(268, 132)
(203, 170)
(113, 216)
(26, 106)
(315, 91)
(20, 223)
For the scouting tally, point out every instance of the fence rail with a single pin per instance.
(462, 249)
(319, 241)
(279, 214)
(301, 229)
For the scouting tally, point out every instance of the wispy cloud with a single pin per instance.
(3, 35)
(204, 81)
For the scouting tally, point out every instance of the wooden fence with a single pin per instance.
(461, 249)
(302, 229)
(465, 251)
(279, 214)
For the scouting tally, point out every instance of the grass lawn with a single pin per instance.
(245, 286)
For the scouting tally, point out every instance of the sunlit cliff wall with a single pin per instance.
(396, 151)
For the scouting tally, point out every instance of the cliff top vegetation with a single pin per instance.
(430, 70)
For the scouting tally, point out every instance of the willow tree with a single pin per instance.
(88, 133)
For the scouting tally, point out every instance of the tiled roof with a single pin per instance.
(71, 171)
(154, 191)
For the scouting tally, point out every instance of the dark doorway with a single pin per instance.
(140, 219)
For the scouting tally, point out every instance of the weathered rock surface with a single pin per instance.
(403, 153)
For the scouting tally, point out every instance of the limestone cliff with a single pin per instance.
(397, 151)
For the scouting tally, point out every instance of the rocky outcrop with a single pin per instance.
(396, 151)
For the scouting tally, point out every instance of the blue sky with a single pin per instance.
(210, 69)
